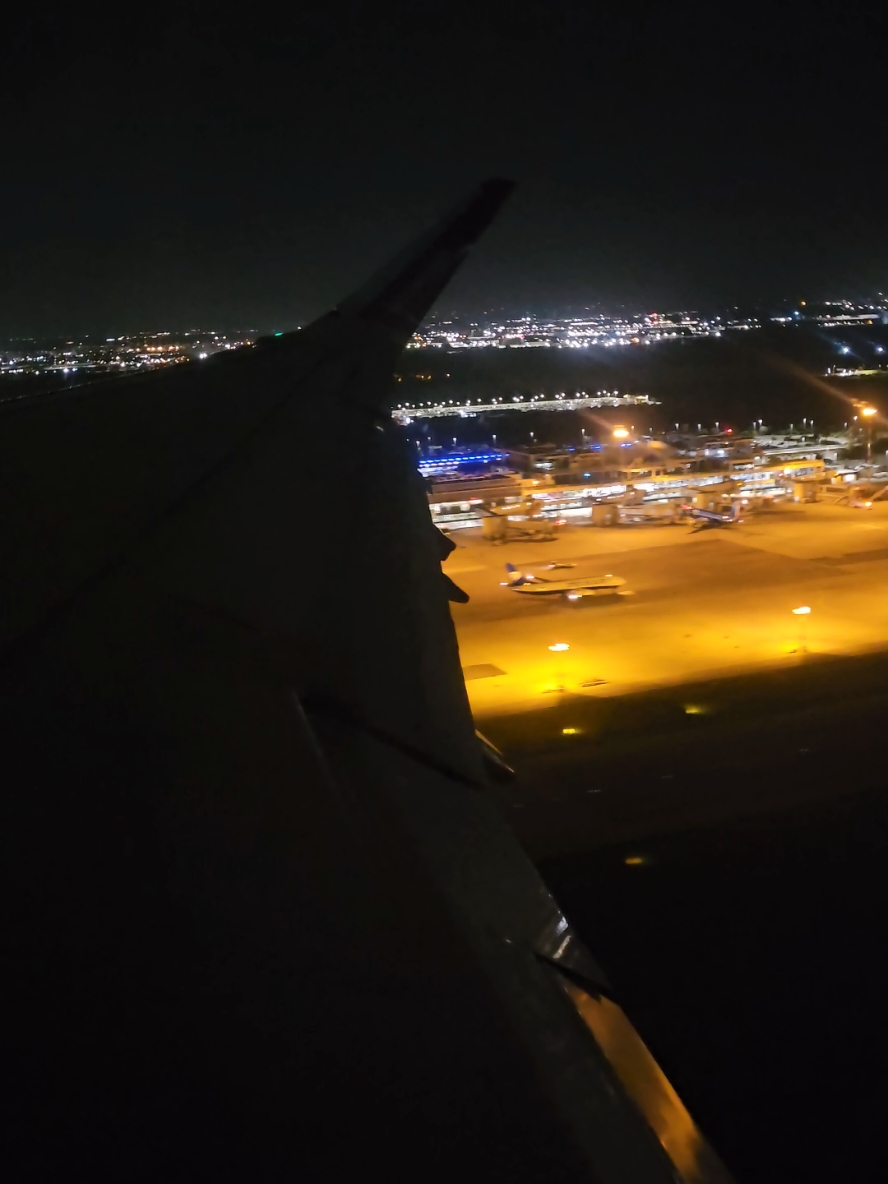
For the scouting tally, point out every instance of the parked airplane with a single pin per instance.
(709, 518)
(571, 589)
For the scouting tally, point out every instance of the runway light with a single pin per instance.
(802, 610)
(559, 647)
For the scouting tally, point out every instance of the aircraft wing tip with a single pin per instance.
(483, 206)
(400, 295)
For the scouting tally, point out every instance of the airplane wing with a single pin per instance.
(262, 919)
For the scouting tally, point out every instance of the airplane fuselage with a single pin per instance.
(591, 585)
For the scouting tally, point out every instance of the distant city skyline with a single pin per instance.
(830, 311)
(579, 329)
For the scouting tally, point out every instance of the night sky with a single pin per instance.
(228, 167)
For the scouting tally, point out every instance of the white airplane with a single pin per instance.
(573, 589)
(708, 518)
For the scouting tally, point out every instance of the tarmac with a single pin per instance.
(697, 604)
(712, 808)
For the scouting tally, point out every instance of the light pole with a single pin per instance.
(560, 647)
(802, 612)
(868, 413)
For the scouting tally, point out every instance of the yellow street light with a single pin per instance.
(868, 413)
(802, 612)
(560, 647)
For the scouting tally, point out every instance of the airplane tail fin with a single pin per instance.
(516, 579)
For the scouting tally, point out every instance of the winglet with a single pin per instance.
(400, 295)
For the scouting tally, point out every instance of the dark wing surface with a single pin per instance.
(262, 922)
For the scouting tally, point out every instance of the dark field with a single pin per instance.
(774, 374)
(747, 939)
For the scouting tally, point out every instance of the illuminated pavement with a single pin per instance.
(720, 840)
(700, 605)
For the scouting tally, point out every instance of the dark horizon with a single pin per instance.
(199, 171)
(491, 315)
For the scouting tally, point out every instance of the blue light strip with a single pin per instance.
(453, 462)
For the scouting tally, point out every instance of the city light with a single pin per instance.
(603, 331)
(115, 355)
(620, 433)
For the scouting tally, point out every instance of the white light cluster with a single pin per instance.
(136, 351)
(405, 413)
(573, 332)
